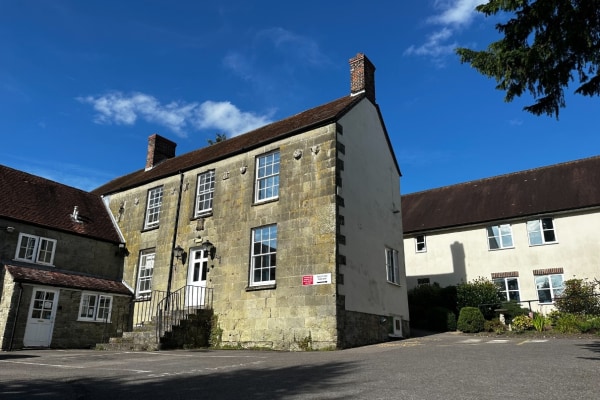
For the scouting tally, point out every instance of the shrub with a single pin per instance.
(470, 320)
(568, 323)
(579, 297)
(521, 323)
(429, 306)
(539, 322)
(477, 293)
(451, 321)
(590, 325)
(513, 309)
(495, 326)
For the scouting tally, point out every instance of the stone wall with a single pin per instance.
(305, 213)
(68, 332)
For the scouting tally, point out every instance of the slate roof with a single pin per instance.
(310, 119)
(552, 189)
(66, 280)
(34, 200)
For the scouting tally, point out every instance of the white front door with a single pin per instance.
(196, 280)
(40, 321)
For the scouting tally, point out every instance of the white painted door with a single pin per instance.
(196, 280)
(40, 321)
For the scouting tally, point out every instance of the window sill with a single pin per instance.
(261, 202)
(261, 287)
(93, 320)
(153, 228)
(202, 215)
(394, 283)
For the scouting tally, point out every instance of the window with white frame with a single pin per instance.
(267, 177)
(541, 231)
(204, 193)
(144, 283)
(95, 307)
(155, 196)
(508, 288)
(35, 249)
(391, 266)
(499, 237)
(420, 244)
(264, 255)
(549, 287)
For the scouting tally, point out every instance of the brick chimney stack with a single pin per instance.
(362, 76)
(159, 149)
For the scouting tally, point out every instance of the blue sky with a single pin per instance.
(84, 83)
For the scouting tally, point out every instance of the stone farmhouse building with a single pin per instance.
(291, 233)
(527, 231)
(61, 266)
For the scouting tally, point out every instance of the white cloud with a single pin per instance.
(457, 12)
(179, 117)
(452, 16)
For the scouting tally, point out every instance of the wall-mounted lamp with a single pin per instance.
(179, 253)
(211, 249)
(9, 229)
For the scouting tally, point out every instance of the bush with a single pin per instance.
(590, 325)
(479, 292)
(579, 297)
(451, 325)
(430, 305)
(513, 309)
(495, 326)
(470, 320)
(521, 323)
(568, 323)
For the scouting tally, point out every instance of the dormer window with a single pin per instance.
(35, 249)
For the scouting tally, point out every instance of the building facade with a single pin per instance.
(61, 265)
(528, 232)
(292, 232)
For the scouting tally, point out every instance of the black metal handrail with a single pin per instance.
(144, 310)
(179, 304)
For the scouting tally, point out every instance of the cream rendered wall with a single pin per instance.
(462, 255)
(371, 192)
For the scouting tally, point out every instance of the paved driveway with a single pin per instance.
(443, 366)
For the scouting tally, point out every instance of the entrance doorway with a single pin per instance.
(40, 320)
(196, 280)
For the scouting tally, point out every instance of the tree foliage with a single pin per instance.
(579, 297)
(546, 45)
(476, 293)
(219, 137)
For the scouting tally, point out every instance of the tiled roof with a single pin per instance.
(35, 200)
(303, 121)
(66, 280)
(556, 188)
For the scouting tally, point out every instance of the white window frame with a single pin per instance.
(391, 266)
(92, 305)
(145, 273)
(555, 290)
(153, 206)
(503, 287)
(545, 234)
(502, 236)
(205, 190)
(36, 249)
(420, 240)
(267, 177)
(263, 255)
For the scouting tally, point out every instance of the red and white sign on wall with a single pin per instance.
(318, 279)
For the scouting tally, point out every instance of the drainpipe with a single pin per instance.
(12, 333)
(174, 242)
